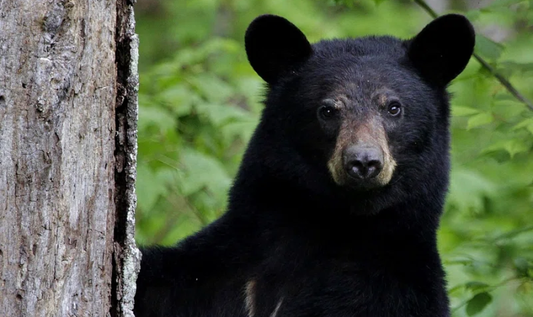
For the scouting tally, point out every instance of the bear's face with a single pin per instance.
(365, 114)
(365, 110)
(361, 155)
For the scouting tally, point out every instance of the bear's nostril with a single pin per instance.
(358, 165)
(363, 162)
(357, 169)
(373, 168)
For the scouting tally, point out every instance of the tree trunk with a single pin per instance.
(67, 158)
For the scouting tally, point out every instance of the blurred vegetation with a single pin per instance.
(200, 100)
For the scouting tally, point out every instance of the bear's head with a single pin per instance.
(361, 119)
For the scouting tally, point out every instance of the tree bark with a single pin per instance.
(127, 258)
(67, 158)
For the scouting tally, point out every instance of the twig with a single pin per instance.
(504, 82)
(484, 63)
(427, 8)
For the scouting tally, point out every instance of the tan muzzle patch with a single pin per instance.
(370, 132)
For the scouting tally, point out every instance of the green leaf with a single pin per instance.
(488, 48)
(179, 98)
(513, 233)
(513, 66)
(513, 147)
(213, 88)
(158, 117)
(479, 120)
(477, 303)
(147, 187)
(473, 15)
(347, 3)
(203, 171)
(459, 260)
(476, 286)
(242, 129)
(507, 110)
(468, 190)
(459, 111)
(522, 266)
(220, 114)
(527, 123)
(504, 3)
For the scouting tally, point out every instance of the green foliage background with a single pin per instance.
(200, 100)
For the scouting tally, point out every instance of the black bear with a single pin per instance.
(336, 204)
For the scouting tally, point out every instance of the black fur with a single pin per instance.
(318, 248)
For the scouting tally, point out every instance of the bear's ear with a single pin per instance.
(275, 46)
(443, 48)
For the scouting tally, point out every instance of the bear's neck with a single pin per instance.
(280, 202)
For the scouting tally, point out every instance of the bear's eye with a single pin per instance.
(394, 108)
(327, 111)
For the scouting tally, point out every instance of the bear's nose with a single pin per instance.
(363, 161)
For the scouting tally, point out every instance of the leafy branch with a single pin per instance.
(482, 297)
(484, 63)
